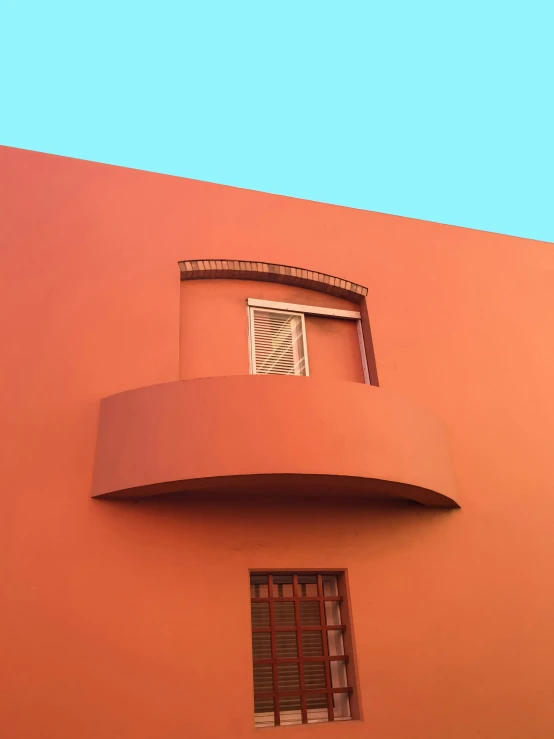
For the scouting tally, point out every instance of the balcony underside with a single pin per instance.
(271, 435)
(287, 486)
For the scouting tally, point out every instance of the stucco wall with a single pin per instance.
(126, 619)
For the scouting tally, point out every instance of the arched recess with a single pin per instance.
(231, 269)
(198, 269)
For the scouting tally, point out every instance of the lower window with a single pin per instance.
(301, 668)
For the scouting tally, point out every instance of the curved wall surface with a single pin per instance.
(182, 435)
(213, 325)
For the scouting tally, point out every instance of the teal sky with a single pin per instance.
(436, 110)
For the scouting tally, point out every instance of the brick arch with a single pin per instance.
(199, 269)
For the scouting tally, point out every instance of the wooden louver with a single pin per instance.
(300, 667)
(278, 343)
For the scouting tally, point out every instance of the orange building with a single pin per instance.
(241, 495)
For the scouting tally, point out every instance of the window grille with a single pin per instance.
(300, 665)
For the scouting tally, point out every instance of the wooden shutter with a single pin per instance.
(278, 343)
(298, 652)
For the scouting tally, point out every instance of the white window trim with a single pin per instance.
(312, 310)
(362, 351)
(252, 337)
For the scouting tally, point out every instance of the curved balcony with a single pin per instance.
(271, 434)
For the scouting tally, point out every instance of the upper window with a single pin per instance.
(278, 342)
(298, 644)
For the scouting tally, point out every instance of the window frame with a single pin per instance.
(252, 339)
(344, 625)
(303, 310)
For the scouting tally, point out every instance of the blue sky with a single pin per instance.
(436, 110)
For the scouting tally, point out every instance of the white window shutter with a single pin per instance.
(278, 343)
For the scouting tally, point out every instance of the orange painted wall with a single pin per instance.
(333, 349)
(213, 329)
(125, 619)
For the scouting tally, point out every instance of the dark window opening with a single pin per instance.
(301, 672)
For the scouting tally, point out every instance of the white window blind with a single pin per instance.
(278, 342)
